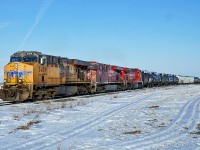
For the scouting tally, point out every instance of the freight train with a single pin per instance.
(31, 75)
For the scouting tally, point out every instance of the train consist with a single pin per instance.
(31, 75)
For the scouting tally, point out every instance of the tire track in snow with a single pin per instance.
(184, 114)
(175, 136)
(186, 121)
(56, 137)
(85, 126)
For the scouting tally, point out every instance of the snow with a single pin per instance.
(156, 118)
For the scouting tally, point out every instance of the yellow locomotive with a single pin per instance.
(33, 75)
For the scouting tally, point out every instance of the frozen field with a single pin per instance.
(157, 118)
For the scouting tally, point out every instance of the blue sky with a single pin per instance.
(155, 35)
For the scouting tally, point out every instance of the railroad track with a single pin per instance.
(5, 103)
(61, 99)
(74, 97)
(71, 98)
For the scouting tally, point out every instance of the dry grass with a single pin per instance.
(115, 96)
(28, 125)
(71, 105)
(198, 128)
(15, 117)
(133, 132)
(50, 108)
(29, 111)
(43, 102)
(196, 132)
(65, 100)
(154, 107)
(63, 105)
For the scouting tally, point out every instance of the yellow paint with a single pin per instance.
(18, 72)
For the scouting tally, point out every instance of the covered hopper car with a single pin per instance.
(185, 79)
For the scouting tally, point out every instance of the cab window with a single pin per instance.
(15, 59)
(29, 59)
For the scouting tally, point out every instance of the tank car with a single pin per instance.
(147, 79)
(196, 80)
(157, 80)
(171, 79)
(176, 80)
(164, 79)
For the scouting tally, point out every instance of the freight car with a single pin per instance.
(196, 80)
(147, 79)
(173, 79)
(176, 80)
(164, 79)
(157, 80)
(185, 79)
(33, 75)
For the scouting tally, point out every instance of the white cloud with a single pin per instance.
(38, 18)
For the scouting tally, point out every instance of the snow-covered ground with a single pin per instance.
(157, 118)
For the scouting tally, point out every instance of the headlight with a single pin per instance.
(16, 66)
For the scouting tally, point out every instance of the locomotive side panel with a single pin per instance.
(137, 78)
(112, 75)
(71, 74)
(53, 76)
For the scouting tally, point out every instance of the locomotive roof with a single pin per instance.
(78, 62)
(28, 52)
(37, 53)
(24, 53)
